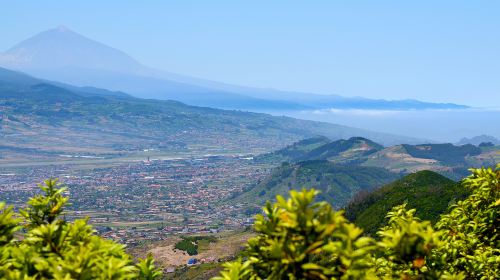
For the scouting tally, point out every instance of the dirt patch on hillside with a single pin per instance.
(165, 254)
(169, 256)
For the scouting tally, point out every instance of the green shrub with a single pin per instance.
(300, 239)
(189, 244)
(471, 239)
(53, 248)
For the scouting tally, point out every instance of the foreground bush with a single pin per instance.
(52, 248)
(299, 238)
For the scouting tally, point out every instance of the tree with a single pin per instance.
(53, 248)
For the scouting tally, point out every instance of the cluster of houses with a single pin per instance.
(147, 200)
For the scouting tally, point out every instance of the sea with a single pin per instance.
(447, 126)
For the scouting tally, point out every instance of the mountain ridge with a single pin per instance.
(65, 56)
(445, 158)
(321, 148)
(478, 140)
(61, 119)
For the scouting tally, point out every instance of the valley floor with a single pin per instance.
(140, 201)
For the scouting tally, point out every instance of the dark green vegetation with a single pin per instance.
(300, 238)
(189, 244)
(338, 183)
(428, 192)
(39, 244)
(44, 119)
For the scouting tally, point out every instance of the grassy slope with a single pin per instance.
(337, 183)
(294, 151)
(428, 192)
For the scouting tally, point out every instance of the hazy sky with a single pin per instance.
(429, 50)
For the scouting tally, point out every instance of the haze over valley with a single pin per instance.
(285, 140)
(62, 55)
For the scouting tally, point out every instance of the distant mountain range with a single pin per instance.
(478, 140)
(43, 119)
(65, 56)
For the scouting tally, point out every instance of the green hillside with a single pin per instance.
(447, 159)
(337, 183)
(428, 192)
(352, 150)
(55, 119)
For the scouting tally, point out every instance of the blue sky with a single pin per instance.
(447, 51)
